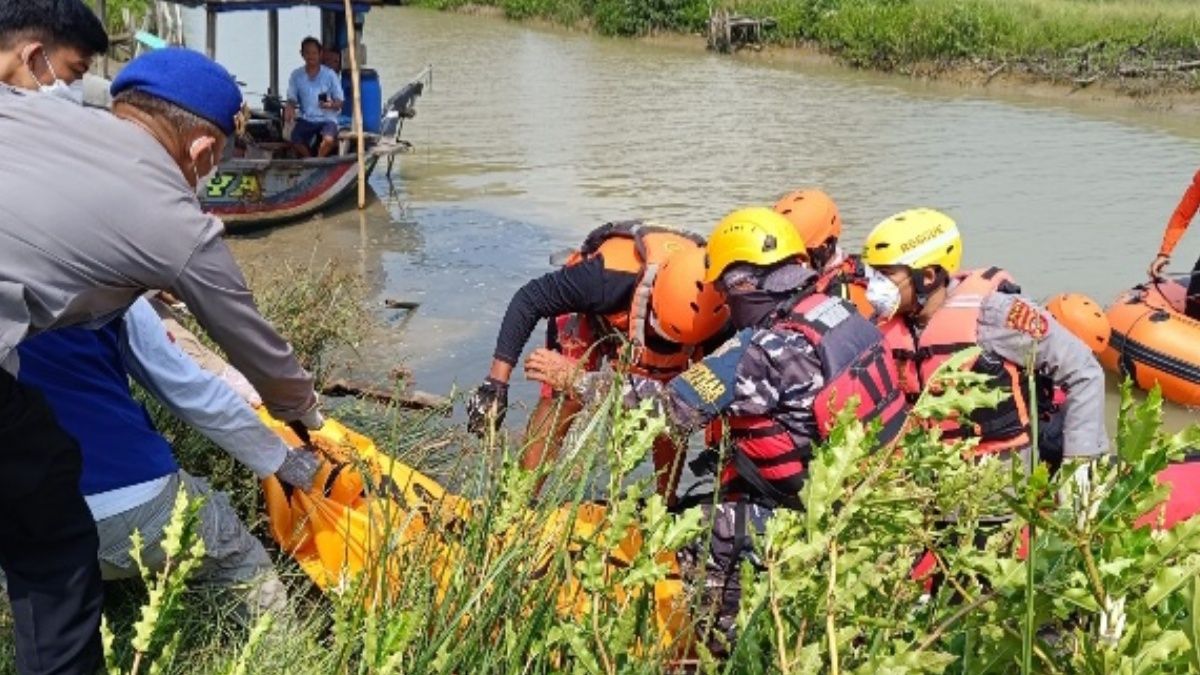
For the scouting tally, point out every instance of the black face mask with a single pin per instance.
(751, 308)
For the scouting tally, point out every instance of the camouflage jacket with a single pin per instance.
(757, 372)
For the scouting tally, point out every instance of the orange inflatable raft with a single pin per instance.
(1153, 342)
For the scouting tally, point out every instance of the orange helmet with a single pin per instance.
(813, 214)
(685, 309)
(1083, 317)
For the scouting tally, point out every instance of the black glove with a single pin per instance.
(486, 407)
(299, 468)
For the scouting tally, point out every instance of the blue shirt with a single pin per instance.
(305, 92)
(84, 375)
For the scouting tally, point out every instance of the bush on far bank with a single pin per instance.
(1057, 38)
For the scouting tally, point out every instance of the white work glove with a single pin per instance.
(312, 420)
(299, 468)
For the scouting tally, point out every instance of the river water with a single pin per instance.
(530, 137)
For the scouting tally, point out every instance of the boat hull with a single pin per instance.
(253, 193)
(1154, 343)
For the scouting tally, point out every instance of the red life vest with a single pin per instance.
(1183, 501)
(854, 363)
(640, 248)
(953, 328)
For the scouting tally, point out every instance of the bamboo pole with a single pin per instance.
(356, 87)
(273, 42)
(102, 12)
(210, 33)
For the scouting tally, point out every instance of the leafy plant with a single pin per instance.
(154, 644)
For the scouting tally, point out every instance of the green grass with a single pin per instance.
(831, 593)
(1053, 38)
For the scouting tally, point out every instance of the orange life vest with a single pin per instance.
(953, 328)
(638, 247)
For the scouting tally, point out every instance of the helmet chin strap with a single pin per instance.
(917, 279)
(922, 289)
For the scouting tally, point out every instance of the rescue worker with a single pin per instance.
(81, 257)
(49, 45)
(930, 310)
(797, 356)
(819, 223)
(631, 282)
(1176, 226)
(130, 477)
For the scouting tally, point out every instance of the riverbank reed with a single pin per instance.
(595, 574)
(573, 579)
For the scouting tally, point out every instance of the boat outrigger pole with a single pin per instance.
(102, 13)
(356, 85)
(210, 32)
(273, 42)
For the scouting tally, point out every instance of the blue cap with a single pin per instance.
(188, 79)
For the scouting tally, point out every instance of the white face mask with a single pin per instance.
(212, 173)
(204, 180)
(883, 294)
(68, 92)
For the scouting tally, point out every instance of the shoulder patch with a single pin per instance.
(705, 382)
(1028, 319)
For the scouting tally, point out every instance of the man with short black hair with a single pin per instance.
(332, 59)
(317, 92)
(49, 45)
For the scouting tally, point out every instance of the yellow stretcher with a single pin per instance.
(366, 506)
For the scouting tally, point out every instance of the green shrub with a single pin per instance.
(1092, 35)
(1096, 593)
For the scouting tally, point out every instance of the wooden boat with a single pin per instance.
(257, 192)
(260, 181)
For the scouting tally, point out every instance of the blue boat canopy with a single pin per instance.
(260, 5)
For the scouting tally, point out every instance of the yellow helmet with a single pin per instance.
(916, 238)
(755, 235)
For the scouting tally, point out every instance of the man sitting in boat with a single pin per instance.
(1180, 219)
(314, 98)
(332, 59)
(778, 382)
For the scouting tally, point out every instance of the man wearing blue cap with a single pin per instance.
(131, 222)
